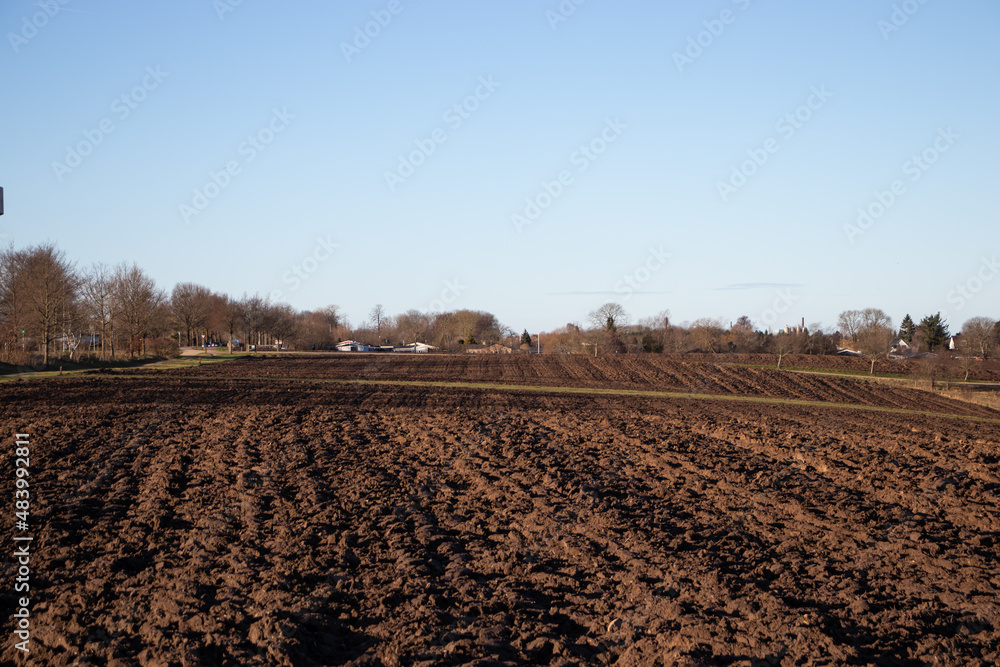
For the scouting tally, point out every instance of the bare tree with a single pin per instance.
(505, 332)
(97, 293)
(789, 341)
(876, 335)
(253, 310)
(376, 317)
(980, 332)
(818, 342)
(51, 286)
(138, 302)
(967, 350)
(850, 323)
(707, 334)
(610, 316)
(331, 314)
(782, 344)
(451, 330)
(412, 326)
(874, 317)
(13, 300)
(569, 339)
(313, 330)
(215, 323)
(466, 321)
(743, 334)
(676, 339)
(445, 330)
(190, 304)
(867, 329)
(488, 329)
(232, 318)
(281, 321)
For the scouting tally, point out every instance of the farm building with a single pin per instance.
(353, 346)
(495, 348)
(414, 347)
(899, 347)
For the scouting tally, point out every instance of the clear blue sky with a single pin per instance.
(667, 121)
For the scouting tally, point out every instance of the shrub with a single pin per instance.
(163, 347)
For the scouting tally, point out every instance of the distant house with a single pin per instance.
(420, 348)
(899, 348)
(495, 348)
(353, 346)
(954, 341)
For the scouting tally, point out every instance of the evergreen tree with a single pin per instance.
(935, 331)
(526, 338)
(907, 329)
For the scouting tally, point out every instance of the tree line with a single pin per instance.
(872, 333)
(50, 307)
(868, 332)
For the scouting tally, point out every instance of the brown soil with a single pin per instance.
(258, 522)
(946, 367)
(630, 372)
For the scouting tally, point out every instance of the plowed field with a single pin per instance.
(626, 372)
(980, 370)
(233, 514)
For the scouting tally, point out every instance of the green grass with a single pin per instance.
(199, 360)
(40, 375)
(118, 367)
